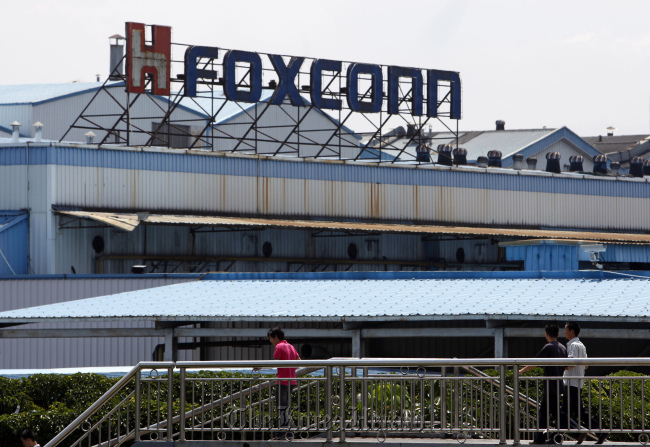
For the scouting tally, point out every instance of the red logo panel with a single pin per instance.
(154, 59)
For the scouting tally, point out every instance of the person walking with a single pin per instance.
(283, 351)
(553, 389)
(574, 381)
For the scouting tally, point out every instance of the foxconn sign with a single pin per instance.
(364, 87)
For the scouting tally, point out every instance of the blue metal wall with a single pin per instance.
(14, 243)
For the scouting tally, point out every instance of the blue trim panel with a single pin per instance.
(587, 275)
(250, 167)
(196, 276)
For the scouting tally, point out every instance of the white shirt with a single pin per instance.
(575, 350)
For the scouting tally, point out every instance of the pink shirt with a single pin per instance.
(285, 351)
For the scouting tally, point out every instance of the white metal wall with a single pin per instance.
(57, 116)
(75, 352)
(189, 192)
(18, 112)
(278, 123)
(566, 150)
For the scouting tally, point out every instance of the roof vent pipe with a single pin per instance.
(518, 161)
(501, 125)
(646, 167)
(460, 156)
(116, 69)
(90, 137)
(444, 155)
(38, 131)
(575, 163)
(15, 134)
(482, 161)
(636, 167)
(615, 167)
(422, 153)
(553, 162)
(494, 159)
(600, 164)
(532, 163)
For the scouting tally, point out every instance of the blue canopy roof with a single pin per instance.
(400, 297)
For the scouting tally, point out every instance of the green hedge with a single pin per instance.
(45, 403)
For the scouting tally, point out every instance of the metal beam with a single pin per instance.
(261, 333)
(637, 334)
(79, 333)
(427, 332)
(499, 343)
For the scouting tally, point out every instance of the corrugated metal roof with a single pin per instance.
(129, 221)
(359, 300)
(35, 93)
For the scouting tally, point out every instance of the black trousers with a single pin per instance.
(572, 405)
(550, 409)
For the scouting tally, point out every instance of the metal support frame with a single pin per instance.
(252, 130)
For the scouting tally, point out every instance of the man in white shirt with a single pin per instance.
(574, 381)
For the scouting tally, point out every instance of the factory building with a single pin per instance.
(501, 146)
(293, 207)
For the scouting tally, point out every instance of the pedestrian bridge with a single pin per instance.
(361, 402)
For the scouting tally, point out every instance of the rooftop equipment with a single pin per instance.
(423, 153)
(15, 133)
(600, 164)
(90, 137)
(615, 167)
(575, 163)
(553, 162)
(636, 167)
(494, 159)
(460, 156)
(501, 125)
(38, 131)
(532, 163)
(116, 69)
(518, 161)
(444, 154)
(482, 161)
(646, 167)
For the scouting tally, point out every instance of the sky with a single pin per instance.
(583, 64)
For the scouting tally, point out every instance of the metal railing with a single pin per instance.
(361, 397)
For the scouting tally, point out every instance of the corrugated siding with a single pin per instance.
(14, 245)
(73, 248)
(18, 112)
(71, 352)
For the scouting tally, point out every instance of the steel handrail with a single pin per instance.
(336, 363)
(105, 398)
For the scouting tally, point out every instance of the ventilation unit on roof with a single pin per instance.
(553, 162)
(575, 163)
(444, 155)
(600, 164)
(460, 156)
(494, 159)
(636, 167)
(116, 68)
